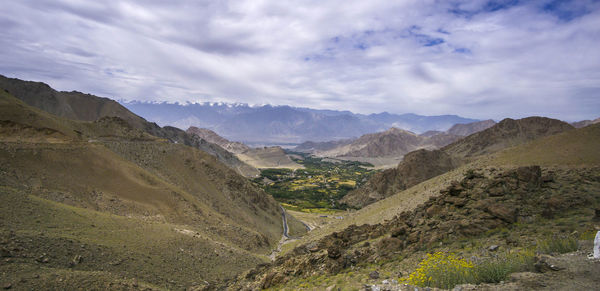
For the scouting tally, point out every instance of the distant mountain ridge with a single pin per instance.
(285, 124)
(392, 142)
(584, 123)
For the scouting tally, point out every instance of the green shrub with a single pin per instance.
(497, 269)
(558, 245)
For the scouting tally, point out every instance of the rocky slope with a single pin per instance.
(132, 200)
(268, 157)
(474, 209)
(416, 167)
(86, 107)
(505, 134)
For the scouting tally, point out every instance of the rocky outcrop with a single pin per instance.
(416, 167)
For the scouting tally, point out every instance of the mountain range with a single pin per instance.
(284, 124)
(385, 149)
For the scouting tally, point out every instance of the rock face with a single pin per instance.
(464, 209)
(422, 165)
(416, 167)
(465, 129)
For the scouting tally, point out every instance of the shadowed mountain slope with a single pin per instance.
(506, 133)
(85, 107)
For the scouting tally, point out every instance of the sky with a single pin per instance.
(478, 59)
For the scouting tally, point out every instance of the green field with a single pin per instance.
(320, 185)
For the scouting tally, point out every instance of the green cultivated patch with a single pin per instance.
(320, 185)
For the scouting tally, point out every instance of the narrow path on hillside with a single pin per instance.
(285, 238)
(285, 226)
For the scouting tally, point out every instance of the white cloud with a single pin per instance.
(475, 58)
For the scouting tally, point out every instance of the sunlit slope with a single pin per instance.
(507, 133)
(579, 147)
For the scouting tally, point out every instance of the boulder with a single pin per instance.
(503, 212)
(374, 275)
(333, 252)
(493, 248)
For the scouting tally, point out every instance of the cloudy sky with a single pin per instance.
(481, 59)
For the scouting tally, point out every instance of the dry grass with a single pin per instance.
(577, 147)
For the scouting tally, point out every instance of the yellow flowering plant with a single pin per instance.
(442, 270)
